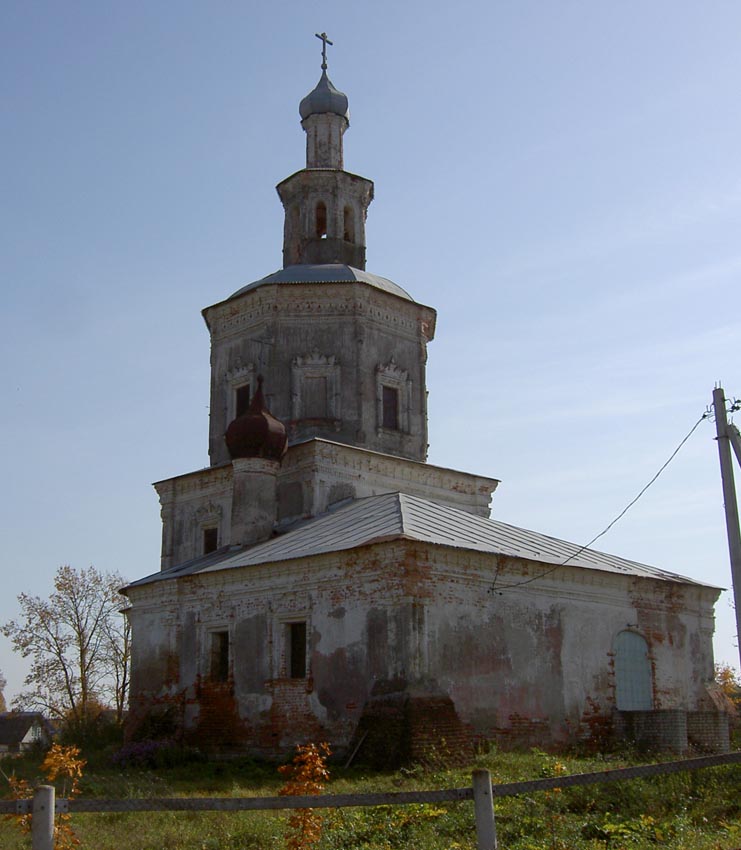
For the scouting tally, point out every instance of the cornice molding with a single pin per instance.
(209, 481)
(332, 459)
(301, 301)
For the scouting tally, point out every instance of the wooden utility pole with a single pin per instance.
(723, 431)
(735, 439)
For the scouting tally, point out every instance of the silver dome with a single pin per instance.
(324, 98)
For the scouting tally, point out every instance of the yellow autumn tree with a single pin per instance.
(729, 682)
(62, 767)
(78, 644)
(306, 775)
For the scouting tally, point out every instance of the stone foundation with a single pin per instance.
(674, 729)
(708, 730)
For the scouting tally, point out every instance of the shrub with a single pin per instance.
(155, 754)
(305, 775)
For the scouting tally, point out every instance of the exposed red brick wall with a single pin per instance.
(219, 726)
(524, 732)
(436, 733)
(398, 728)
(290, 719)
(596, 727)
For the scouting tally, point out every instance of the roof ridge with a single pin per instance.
(400, 501)
(394, 515)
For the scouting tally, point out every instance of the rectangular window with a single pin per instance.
(390, 401)
(315, 398)
(241, 400)
(296, 650)
(210, 540)
(219, 670)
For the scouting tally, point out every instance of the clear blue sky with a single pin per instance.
(560, 180)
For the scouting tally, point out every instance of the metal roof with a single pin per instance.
(398, 516)
(325, 97)
(325, 273)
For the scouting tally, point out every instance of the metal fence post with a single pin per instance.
(42, 818)
(483, 805)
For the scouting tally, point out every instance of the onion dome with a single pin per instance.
(324, 98)
(257, 433)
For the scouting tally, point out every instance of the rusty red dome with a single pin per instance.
(257, 433)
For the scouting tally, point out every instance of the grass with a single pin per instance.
(686, 811)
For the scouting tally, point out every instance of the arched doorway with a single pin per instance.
(633, 675)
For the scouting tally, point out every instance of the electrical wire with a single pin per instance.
(501, 587)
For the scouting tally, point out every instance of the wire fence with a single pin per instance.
(44, 806)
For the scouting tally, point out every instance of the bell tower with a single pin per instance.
(342, 350)
(325, 206)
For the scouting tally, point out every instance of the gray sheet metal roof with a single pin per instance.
(325, 97)
(398, 516)
(325, 273)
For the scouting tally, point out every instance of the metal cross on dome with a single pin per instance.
(325, 41)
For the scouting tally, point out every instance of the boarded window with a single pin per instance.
(241, 399)
(219, 669)
(296, 650)
(633, 677)
(314, 393)
(290, 500)
(390, 400)
(210, 540)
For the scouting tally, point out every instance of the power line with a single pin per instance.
(604, 531)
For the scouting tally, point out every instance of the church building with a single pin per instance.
(320, 581)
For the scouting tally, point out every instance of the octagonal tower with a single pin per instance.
(343, 351)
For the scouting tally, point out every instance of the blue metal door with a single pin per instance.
(633, 677)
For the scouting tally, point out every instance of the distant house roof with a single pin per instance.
(398, 516)
(14, 726)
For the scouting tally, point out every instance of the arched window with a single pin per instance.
(633, 674)
(348, 225)
(321, 220)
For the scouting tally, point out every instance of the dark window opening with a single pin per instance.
(349, 225)
(390, 401)
(321, 220)
(296, 661)
(315, 398)
(210, 540)
(241, 400)
(219, 656)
